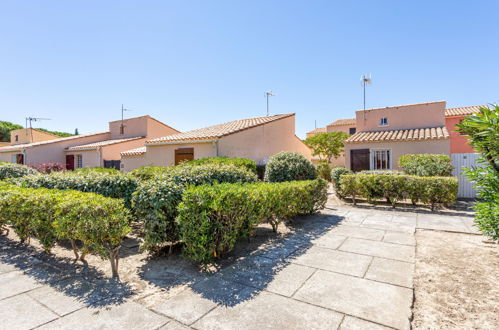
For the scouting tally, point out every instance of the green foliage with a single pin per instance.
(327, 145)
(90, 170)
(155, 201)
(5, 128)
(426, 164)
(429, 190)
(47, 168)
(324, 171)
(60, 134)
(108, 184)
(149, 172)
(336, 173)
(289, 166)
(385, 172)
(212, 218)
(483, 131)
(49, 215)
(249, 164)
(11, 170)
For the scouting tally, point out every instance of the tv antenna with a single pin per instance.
(31, 119)
(365, 80)
(122, 127)
(267, 95)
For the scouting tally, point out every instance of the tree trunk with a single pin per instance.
(113, 259)
(75, 249)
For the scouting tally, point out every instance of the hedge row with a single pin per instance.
(155, 201)
(10, 170)
(212, 218)
(248, 164)
(49, 215)
(428, 190)
(108, 184)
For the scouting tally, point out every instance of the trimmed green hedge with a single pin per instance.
(149, 172)
(11, 170)
(155, 201)
(108, 184)
(336, 172)
(212, 218)
(248, 164)
(289, 166)
(426, 164)
(49, 215)
(428, 190)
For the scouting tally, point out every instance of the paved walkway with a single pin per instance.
(346, 268)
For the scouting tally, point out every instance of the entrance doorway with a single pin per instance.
(70, 162)
(183, 155)
(359, 160)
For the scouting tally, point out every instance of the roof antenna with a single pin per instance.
(267, 94)
(31, 119)
(364, 80)
(122, 127)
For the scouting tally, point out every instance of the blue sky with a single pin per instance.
(192, 64)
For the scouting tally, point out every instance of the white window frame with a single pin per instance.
(383, 121)
(372, 155)
(79, 161)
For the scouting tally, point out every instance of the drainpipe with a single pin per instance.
(24, 157)
(99, 150)
(215, 145)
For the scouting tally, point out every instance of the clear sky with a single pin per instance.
(193, 63)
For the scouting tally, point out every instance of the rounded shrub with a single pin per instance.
(289, 166)
(336, 172)
(324, 171)
(426, 164)
(10, 170)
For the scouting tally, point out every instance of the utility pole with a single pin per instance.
(267, 94)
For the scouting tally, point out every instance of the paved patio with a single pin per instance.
(346, 268)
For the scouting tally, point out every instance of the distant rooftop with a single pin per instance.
(463, 110)
(342, 122)
(414, 134)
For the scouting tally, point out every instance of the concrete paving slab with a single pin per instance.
(380, 224)
(129, 315)
(270, 311)
(399, 238)
(358, 232)
(444, 223)
(377, 302)
(5, 268)
(329, 240)
(174, 325)
(391, 271)
(22, 312)
(353, 323)
(333, 260)
(186, 307)
(13, 283)
(469, 222)
(379, 249)
(290, 279)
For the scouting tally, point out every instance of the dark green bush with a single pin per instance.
(429, 190)
(324, 171)
(49, 215)
(149, 172)
(336, 172)
(384, 172)
(155, 201)
(289, 166)
(11, 170)
(108, 184)
(212, 218)
(248, 164)
(97, 169)
(426, 164)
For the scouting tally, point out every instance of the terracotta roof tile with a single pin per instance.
(96, 145)
(341, 122)
(414, 134)
(34, 144)
(134, 152)
(218, 131)
(318, 130)
(463, 110)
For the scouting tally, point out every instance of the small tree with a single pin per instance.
(482, 128)
(76, 132)
(327, 145)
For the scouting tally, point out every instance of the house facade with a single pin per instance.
(253, 138)
(90, 150)
(384, 134)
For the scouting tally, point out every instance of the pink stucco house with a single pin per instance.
(453, 116)
(253, 138)
(90, 150)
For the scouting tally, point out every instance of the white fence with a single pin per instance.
(461, 161)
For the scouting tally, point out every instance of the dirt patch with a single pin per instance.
(456, 282)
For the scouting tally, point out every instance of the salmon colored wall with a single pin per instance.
(133, 127)
(339, 128)
(129, 163)
(54, 152)
(6, 157)
(90, 158)
(261, 142)
(458, 143)
(157, 129)
(28, 135)
(402, 148)
(402, 117)
(112, 152)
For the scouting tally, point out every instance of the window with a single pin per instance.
(17, 138)
(383, 121)
(79, 161)
(381, 159)
(352, 130)
(122, 129)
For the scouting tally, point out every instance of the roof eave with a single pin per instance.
(180, 142)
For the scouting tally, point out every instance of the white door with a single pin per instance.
(461, 161)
